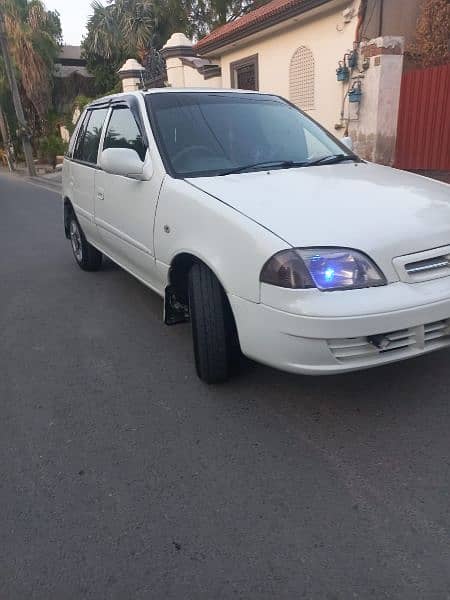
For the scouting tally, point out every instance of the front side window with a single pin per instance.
(123, 132)
(86, 149)
(209, 133)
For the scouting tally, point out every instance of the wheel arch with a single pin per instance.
(179, 270)
(178, 282)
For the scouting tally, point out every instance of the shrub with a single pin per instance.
(50, 147)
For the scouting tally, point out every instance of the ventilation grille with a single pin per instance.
(374, 348)
(431, 266)
(301, 78)
(436, 331)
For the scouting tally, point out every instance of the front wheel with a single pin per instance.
(216, 345)
(87, 257)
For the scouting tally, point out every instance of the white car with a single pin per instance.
(262, 229)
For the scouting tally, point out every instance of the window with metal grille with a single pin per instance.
(301, 78)
(244, 73)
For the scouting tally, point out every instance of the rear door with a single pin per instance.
(125, 208)
(83, 168)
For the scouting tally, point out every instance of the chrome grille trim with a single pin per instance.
(424, 266)
(440, 262)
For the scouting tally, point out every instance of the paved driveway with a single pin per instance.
(124, 477)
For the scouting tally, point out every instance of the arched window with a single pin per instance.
(301, 78)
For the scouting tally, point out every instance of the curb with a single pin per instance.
(43, 182)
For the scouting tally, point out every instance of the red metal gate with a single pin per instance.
(423, 130)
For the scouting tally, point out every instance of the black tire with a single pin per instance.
(87, 257)
(216, 345)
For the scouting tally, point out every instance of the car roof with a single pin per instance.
(204, 90)
(116, 97)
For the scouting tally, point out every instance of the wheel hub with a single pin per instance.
(75, 238)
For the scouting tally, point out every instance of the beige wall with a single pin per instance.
(180, 75)
(327, 36)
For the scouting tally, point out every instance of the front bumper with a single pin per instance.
(325, 344)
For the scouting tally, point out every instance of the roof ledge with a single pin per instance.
(257, 20)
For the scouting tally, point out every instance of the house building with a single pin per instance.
(290, 47)
(341, 61)
(71, 78)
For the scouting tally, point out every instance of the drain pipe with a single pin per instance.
(380, 23)
(361, 15)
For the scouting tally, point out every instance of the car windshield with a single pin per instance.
(214, 133)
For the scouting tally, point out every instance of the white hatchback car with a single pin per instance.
(262, 229)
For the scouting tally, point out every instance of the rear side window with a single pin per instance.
(86, 148)
(75, 136)
(123, 132)
(78, 138)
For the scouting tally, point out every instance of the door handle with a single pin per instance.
(100, 196)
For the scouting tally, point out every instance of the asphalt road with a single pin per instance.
(123, 477)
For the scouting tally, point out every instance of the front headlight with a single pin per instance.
(323, 268)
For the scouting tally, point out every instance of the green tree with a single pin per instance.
(128, 29)
(206, 15)
(34, 39)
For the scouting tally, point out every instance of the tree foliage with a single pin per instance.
(206, 15)
(127, 29)
(34, 38)
(431, 43)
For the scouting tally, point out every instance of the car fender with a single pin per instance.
(233, 246)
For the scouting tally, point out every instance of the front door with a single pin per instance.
(125, 208)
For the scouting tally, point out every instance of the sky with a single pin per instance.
(74, 15)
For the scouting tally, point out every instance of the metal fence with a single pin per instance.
(423, 130)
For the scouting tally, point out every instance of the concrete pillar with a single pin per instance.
(176, 47)
(131, 75)
(373, 121)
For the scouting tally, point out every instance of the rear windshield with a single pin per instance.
(201, 134)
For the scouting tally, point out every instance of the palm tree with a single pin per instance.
(103, 37)
(122, 28)
(137, 25)
(34, 36)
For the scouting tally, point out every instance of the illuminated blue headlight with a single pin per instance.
(340, 268)
(324, 268)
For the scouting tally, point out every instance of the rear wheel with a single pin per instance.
(87, 257)
(216, 345)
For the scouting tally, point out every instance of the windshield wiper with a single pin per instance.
(287, 164)
(331, 160)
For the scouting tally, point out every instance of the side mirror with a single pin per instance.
(126, 162)
(347, 141)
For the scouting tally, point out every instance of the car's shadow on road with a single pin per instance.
(404, 385)
(402, 390)
(380, 385)
(108, 265)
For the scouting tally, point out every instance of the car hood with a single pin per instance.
(381, 211)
